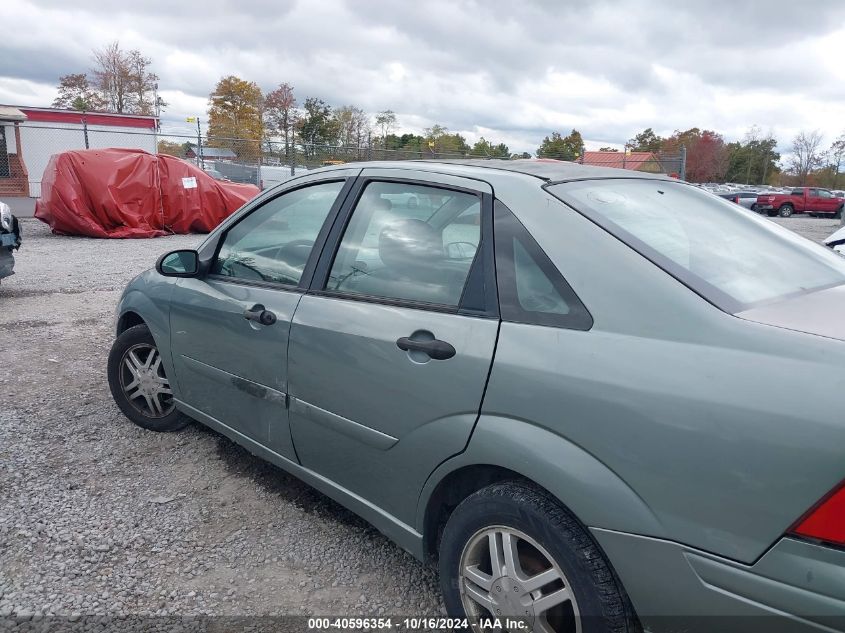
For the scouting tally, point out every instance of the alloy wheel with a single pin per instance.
(504, 573)
(143, 381)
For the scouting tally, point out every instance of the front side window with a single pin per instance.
(824, 193)
(409, 242)
(273, 243)
(732, 258)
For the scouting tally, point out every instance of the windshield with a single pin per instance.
(730, 256)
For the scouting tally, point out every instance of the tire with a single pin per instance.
(838, 214)
(552, 543)
(754, 207)
(134, 360)
(785, 210)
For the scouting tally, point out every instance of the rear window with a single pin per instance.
(730, 256)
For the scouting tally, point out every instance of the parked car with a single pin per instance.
(564, 383)
(10, 240)
(747, 199)
(836, 241)
(215, 174)
(812, 200)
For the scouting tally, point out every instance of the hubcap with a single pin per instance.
(504, 573)
(143, 381)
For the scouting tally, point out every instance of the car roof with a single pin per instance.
(545, 169)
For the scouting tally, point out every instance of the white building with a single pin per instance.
(30, 136)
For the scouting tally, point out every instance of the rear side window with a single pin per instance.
(531, 289)
(410, 242)
(734, 259)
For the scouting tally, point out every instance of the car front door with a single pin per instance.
(825, 202)
(391, 348)
(229, 329)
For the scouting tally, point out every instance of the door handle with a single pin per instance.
(260, 315)
(438, 350)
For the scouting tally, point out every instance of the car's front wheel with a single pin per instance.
(139, 384)
(510, 550)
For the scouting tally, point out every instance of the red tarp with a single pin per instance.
(131, 193)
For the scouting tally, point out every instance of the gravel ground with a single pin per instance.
(98, 517)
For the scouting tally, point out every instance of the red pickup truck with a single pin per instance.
(810, 200)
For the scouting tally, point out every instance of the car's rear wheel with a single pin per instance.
(785, 210)
(139, 384)
(511, 550)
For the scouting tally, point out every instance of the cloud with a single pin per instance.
(510, 71)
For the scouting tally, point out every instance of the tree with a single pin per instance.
(385, 122)
(646, 141)
(280, 113)
(439, 141)
(568, 147)
(142, 83)
(235, 112)
(806, 155)
(608, 149)
(112, 75)
(171, 147)
(837, 154)
(124, 80)
(707, 155)
(77, 93)
(352, 125)
(483, 147)
(317, 125)
(753, 160)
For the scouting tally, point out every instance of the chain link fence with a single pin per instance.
(263, 162)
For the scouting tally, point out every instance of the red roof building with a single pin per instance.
(29, 136)
(636, 161)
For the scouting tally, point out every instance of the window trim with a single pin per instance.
(508, 229)
(484, 257)
(313, 256)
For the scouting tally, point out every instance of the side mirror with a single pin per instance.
(178, 264)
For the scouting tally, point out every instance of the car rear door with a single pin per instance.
(391, 348)
(229, 329)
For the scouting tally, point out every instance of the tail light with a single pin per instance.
(826, 520)
(736, 199)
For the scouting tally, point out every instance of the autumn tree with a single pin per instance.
(707, 155)
(280, 113)
(352, 125)
(77, 93)
(646, 141)
(560, 147)
(172, 148)
(235, 116)
(483, 147)
(806, 154)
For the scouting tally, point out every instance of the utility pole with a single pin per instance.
(200, 161)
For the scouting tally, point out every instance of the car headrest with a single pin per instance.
(408, 244)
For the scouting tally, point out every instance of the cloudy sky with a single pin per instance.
(510, 71)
